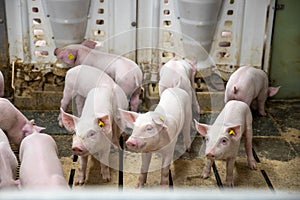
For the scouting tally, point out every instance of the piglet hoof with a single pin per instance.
(252, 165)
(80, 179)
(106, 178)
(205, 175)
(105, 174)
(229, 184)
(262, 113)
(79, 182)
(139, 185)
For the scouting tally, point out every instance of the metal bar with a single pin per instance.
(263, 172)
(219, 181)
(121, 157)
(71, 177)
(170, 180)
(255, 156)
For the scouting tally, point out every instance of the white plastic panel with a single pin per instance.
(198, 19)
(112, 23)
(150, 32)
(239, 37)
(253, 33)
(14, 29)
(29, 32)
(41, 39)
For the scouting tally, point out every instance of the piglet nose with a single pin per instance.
(55, 51)
(210, 155)
(77, 150)
(131, 143)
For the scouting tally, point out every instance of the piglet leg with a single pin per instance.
(229, 171)
(134, 100)
(146, 158)
(82, 165)
(248, 148)
(104, 166)
(207, 168)
(261, 99)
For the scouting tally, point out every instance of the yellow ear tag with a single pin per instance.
(231, 132)
(71, 56)
(100, 123)
(161, 118)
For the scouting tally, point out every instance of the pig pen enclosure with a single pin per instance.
(218, 35)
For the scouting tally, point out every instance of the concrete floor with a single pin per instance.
(276, 143)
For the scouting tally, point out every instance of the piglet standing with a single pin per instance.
(157, 131)
(40, 165)
(123, 71)
(224, 136)
(179, 73)
(97, 128)
(8, 164)
(13, 122)
(1, 85)
(250, 85)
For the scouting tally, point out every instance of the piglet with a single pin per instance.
(123, 71)
(2, 86)
(98, 127)
(179, 73)
(40, 165)
(157, 131)
(79, 81)
(8, 164)
(250, 85)
(13, 122)
(224, 136)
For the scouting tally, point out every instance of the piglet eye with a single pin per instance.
(224, 141)
(91, 134)
(206, 139)
(149, 128)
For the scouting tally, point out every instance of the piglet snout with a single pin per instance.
(135, 143)
(210, 155)
(77, 150)
(132, 143)
(55, 51)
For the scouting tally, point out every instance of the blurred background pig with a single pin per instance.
(157, 131)
(40, 165)
(8, 164)
(123, 71)
(250, 85)
(2, 86)
(224, 136)
(179, 73)
(13, 122)
(79, 81)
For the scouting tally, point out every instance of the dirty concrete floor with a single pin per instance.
(276, 143)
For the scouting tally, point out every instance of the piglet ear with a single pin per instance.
(234, 132)
(273, 90)
(89, 43)
(34, 127)
(158, 118)
(128, 116)
(28, 128)
(70, 56)
(104, 122)
(202, 128)
(38, 128)
(68, 120)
